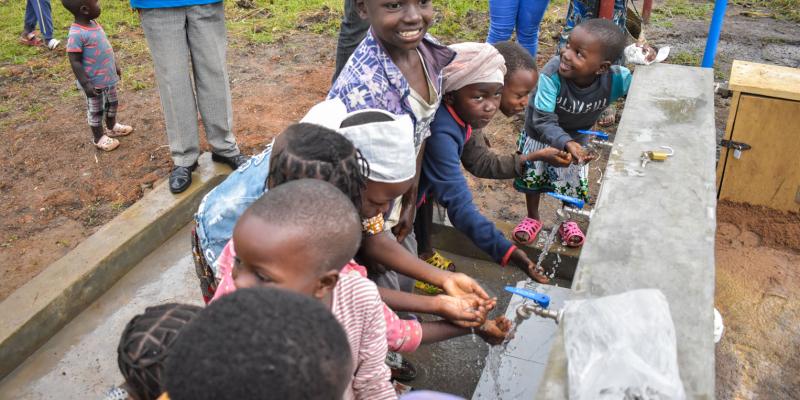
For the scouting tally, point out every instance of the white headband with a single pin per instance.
(387, 146)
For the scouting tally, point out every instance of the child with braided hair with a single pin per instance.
(144, 347)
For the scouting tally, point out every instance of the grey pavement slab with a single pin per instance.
(80, 361)
(654, 227)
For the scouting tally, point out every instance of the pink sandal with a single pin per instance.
(529, 226)
(571, 234)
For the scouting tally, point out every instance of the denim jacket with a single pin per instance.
(223, 205)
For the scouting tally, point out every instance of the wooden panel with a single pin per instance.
(766, 80)
(769, 173)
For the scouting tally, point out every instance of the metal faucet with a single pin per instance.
(525, 311)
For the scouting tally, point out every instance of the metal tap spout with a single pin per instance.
(525, 311)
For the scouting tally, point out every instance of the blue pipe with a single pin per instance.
(713, 33)
(598, 134)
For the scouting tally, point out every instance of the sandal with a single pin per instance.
(106, 143)
(438, 261)
(571, 234)
(119, 130)
(30, 39)
(529, 226)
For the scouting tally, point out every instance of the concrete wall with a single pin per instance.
(654, 227)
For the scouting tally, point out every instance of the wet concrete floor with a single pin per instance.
(80, 362)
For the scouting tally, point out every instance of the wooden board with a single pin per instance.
(769, 173)
(766, 80)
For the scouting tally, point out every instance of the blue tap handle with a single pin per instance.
(597, 134)
(540, 299)
(577, 203)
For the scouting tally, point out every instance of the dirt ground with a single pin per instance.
(56, 189)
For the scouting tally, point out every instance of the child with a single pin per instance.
(473, 86)
(573, 90)
(96, 68)
(312, 151)
(260, 343)
(144, 347)
(519, 80)
(396, 68)
(271, 247)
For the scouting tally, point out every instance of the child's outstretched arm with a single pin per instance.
(467, 311)
(492, 331)
(482, 162)
(76, 62)
(384, 250)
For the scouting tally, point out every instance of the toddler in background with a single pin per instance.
(97, 71)
(574, 89)
(260, 343)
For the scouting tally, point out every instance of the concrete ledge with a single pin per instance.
(39, 309)
(654, 227)
(446, 237)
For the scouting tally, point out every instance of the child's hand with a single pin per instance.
(552, 156)
(459, 285)
(521, 260)
(576, 150)
(468, 311)
(494, 331)
(90, 90)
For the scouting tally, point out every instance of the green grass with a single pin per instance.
(664, 13)
(691, 58)
(780, 9)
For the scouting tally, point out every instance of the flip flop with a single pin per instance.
(30, 40)
(609, 114)
(529, 226)
(571, 234)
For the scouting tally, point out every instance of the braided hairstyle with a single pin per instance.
(144, 344)
(316, 152)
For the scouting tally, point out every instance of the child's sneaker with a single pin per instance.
(106, 143)
(53, 43)
(119, 130)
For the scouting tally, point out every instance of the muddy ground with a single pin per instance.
(56, 189)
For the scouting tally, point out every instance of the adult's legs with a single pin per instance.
(42, 13)
(165, 31)
(529, 17)
(206, 35)
(351, 33)
(30, 18)
(502, 18)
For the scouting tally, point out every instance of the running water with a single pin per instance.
(548, 242)
(496, 355)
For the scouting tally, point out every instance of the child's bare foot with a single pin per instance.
(119, 130)
(494, 331)
(106, 143)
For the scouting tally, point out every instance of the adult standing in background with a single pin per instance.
(188, 38)
(351, 32)
(524, 15)
(38, 10)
